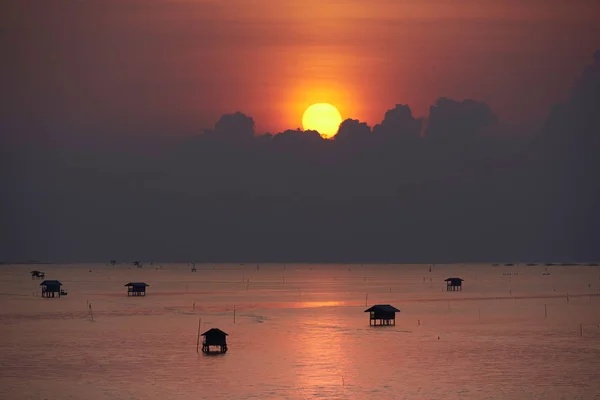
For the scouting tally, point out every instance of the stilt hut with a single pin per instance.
(382, 315)
(214, 338)
(453, 284)
(51, 289)
(136, 288)
(37, 274)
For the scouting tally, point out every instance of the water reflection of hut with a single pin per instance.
(454, 284)
(214, 338)
(51, 288)
(382, 315)
(136, 288)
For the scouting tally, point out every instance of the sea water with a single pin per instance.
(300, 332)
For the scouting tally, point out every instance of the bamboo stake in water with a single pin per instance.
(343, 383)
(366, 299)
(580, 329)
(234, 313)
(198, 339)
(545, 311)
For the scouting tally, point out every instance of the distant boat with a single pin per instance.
(545, 273)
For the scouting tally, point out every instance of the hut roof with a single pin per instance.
(136, 284)
(383, 308)
(214, 331)
(453, 279)
(34, 271)
(51, 283)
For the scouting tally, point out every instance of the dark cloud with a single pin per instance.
(233, 128)
(403, 191)
(455, 120)
(399, 122)
(353, 130)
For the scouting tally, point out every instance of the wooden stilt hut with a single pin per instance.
(52, 288)
(136, 288)
(35, 274)
(454, 284)
(382, 315)
(214, 338)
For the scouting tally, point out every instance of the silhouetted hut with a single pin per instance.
(37, 274)
(382, 315)
(216, 338)
(136, 288)
(454, 284)
(51, 289)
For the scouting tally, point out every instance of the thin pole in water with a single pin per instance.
(545, 311)
(366, 299)
(580, 329)
(343, 383)
(234, 313)
(198, 339)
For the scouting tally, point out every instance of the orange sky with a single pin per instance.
(179, 64)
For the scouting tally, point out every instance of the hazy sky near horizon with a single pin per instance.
(159, 67)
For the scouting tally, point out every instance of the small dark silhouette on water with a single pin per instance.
(51, 288)
(382, 315)
(136, 288)
(37, 274)
(454, 284)
(214, 338)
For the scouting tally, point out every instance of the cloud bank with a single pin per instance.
(440, 189)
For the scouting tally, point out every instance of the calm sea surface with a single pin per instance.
(300, 332)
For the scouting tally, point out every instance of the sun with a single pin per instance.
(323, 118)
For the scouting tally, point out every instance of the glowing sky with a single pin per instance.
(175, 66)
